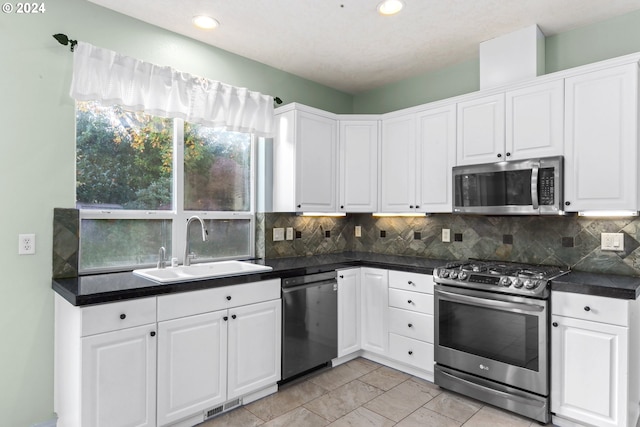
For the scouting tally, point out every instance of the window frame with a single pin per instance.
(177, 215)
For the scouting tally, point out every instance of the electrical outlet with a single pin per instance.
(446, 235)
(278, 234)
(289, 233)
(26, 244)
(358, 231)
(612, 241)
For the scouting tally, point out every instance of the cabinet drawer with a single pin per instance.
(411, 324)
(422, 303)
(588, 307)
(411, 281)
(208, 300)
(118, 315)
(412, 352)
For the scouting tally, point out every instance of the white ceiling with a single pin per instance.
(347, 45)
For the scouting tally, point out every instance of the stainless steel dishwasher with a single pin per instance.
(309, 323)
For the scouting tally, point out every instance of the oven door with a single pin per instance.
(494, 336)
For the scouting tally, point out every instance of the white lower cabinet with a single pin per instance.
(594, 379)
(167, 360)
(348, 311)
(374, 314)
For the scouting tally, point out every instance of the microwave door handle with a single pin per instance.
(535, 167)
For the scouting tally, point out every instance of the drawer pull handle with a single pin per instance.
(409, 301)
(587, 308)
(153, 333)
(411, 283)
(410, 325)
(123, 316)
(410, 352)
(233, 316)
(555, 324)
(229, 298)
(342, 276)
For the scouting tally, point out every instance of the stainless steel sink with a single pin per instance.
(208, 270)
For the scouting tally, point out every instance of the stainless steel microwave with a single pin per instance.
(517, 187)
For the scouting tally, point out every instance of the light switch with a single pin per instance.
(358, 231)
(612, 241)
(289, 233)
(446, 235)
(278, 234)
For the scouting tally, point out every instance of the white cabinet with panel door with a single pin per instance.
(480, 130)
(348, 311)
(418, 152)
(216, 345)
(601, 140)
(358, 153)
(305, 160)
(374, 310)
(105, 364)
(594, 348)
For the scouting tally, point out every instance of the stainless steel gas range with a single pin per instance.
(491, 333)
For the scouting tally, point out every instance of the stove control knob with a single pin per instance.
(453, 275)
(504, 281)
(517, 283)
(444, 274)
(462, 275)
(531, 284)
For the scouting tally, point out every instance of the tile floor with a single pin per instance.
(365, 393)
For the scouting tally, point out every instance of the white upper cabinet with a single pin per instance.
(305, 160)
(601, 140)
(519, 124)
(481, 130)
(358, 179)
(535, 121)
(398, 164)
(436, 155)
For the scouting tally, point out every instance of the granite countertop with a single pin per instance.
(109, 287)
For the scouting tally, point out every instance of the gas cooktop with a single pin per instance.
(498, 276)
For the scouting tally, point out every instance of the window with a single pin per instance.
(140, 177)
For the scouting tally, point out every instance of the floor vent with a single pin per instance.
(222, 408)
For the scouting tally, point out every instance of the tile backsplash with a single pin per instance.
(567, 241)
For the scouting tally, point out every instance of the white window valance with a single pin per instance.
(113, 79)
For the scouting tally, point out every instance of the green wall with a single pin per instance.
(607, 39)
(38, 148)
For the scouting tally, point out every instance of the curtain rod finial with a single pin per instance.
(64, 40)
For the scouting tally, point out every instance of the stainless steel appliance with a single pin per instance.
(309, 323)
(517, 187)
(491, 333)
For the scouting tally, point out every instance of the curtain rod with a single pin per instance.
(64, 40)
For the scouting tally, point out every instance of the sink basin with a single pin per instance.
(210, 270)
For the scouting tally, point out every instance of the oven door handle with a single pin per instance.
(489, 302)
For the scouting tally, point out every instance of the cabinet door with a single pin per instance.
(316, 163)
(436, 154)
(119, 378)
(358, 166)
(374, 309)
(255, 333)
(535, 121)
(601, 140)
(348, 311)
(589, 371)
(191, 365)
(398, 164)
(480, 133)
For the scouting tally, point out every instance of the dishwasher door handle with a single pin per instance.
(311, 285)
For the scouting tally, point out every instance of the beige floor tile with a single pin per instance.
(343, 400)
(489, 416)
(401, 400)
(424, 417)
(363, 365)
(454, 406)
(362, 417)
(384, 378)
(287, 398)
(338, 376)
(239, 417)
(298, 417)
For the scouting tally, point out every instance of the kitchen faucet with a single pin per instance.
(187, 260)
(162, 253)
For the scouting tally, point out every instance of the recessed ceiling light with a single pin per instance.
(390, 7)
(205, 22)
